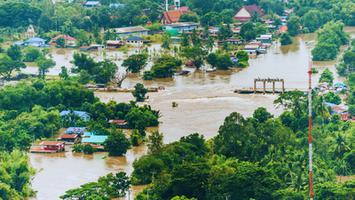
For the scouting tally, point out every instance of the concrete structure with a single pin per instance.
(269, 80)
(135, 41)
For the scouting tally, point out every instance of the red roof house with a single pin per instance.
(247, 12)
(53, 145)
(69, 137)
(69, 41)
(173, 16)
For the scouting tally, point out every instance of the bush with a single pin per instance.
(117, 144)
(326, 77)
(32, 54)
(331, 97)
(286, 39)
(88, 149)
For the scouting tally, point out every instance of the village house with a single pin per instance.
(75, 130)
(92, 4)
(91, 138)
(93, 47)
(35, 42)
(30, 33)
(68, 40)
(113, 44)
(135, 41)
(233, 41)
(265, 39)
(119, 123)
(83, 115)
(247, 12)
(49, 147)
(69, 138)
(252, 49)
(173, 16)
(181, 27)
(125, 32)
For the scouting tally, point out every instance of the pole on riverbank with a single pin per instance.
(310, 150)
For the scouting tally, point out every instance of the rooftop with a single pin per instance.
(135, 38)
(96, 139)
(131, 29)
(51, 143)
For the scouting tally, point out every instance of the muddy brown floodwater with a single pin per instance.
(204, 100)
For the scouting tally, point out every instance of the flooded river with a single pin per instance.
(204, 100)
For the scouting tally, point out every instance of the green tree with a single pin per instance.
(248, 31)
(293, 25)
(135, 63)
(195, 54)
(64, 73)
(44, 64)
(8, 66)
(117, 144)
(60, 42)
(285, 39)
(166, 41)
(14, 52)
(155, 142)
(331, 97)
(139, 92)
(326, 77)
(32, 54)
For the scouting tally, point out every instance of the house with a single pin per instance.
(131, 31)
(52, 146)
(70, 138)
(91, 138)
(181, 27)
(252, 49)
(247, 12)
(233, 41)
(265, 39)
(135, 41)
(68, 40)
(75, 130)
(119, 122)
(30, 33)
(116, 5)
(173, 16)
(81, 114)
(93, 47)
(92, 4)
(113, 44)
(36, 42)
(282, 29)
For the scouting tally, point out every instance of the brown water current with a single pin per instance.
(204, 100)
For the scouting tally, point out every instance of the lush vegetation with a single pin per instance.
(107, 187)
(261, 157)
(329, 39)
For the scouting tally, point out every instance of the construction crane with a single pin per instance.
(310, 138)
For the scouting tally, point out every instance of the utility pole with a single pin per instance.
(310, 151)
(166, 5)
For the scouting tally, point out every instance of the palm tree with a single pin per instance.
(340, 146)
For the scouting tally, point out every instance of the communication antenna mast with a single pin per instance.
(310, 151)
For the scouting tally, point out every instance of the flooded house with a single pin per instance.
(49, 147)
(68, 40)
(35, 42)
(92, 138)
(181, 27)
(126, 32)
(135, 41)
(252, 49)
(265, 39)
(114, 44)
(69, 138)
(119, 123)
